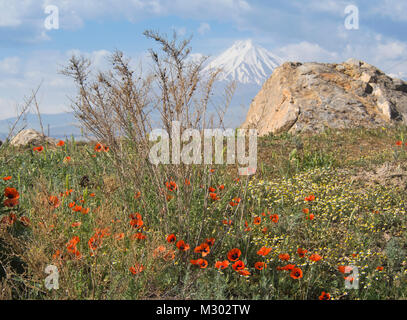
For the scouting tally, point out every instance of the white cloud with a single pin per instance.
(305, 51)
(24, 75)
(386, 54)
(393, 9)
(29, 15)
(181, 31)
(9, 65)
(336, 7)
(11, 13)
(204, 28)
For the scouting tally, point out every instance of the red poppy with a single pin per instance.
(211, 189)
(305, 210)
(38, 149)
(171, 185)
(284, 256)
(310, 217)
(342, 269)
(288, 267)
(7, 178)
(77, 208)
(234, 202)
(138, 236)
(264, 251)
(260, 265)
(257, 220)
(136, 269)
(187, 182)
(99, 147)
(11, 193)
(171, 238)
(210, 241)
(135, 216)
(379, 268)
(8, 220)
(213, 196)
(315, 257)
(325, 296)
(11, 202)
(94, 243)
(310, 198)
(202, 263)
(244, 273)
(203, 248)
(12, 196)
(222, 264)
(238, 265)
(170, 255)
(399, 143)
(221, 187)
(247, 226)
(296, 273)
(60, 143)
(234, 254)
(57, 255)
(136, 220)
(182, 246)
(54, 202)
(159, 251)
(25, 221)
(71, 245)
(274, 218)
(301, 252)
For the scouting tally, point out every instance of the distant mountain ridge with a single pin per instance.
(61, 125)
(249, 64)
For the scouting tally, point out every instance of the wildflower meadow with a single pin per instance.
(286, 233)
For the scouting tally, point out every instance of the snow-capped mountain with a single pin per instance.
(246, 63)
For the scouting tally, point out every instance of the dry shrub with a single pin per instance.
(118, 107)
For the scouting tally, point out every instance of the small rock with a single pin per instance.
(31, 137)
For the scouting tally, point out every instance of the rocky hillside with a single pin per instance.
(301, 97)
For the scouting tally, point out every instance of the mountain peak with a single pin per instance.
(245, 62)
(246, 44)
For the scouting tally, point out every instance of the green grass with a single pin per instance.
(355, 223)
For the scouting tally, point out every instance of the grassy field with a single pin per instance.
(317, 204)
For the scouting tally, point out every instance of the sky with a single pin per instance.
(296, 30)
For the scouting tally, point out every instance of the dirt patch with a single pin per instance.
(386, 174)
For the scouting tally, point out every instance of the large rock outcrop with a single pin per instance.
(31, 137)
(308, 97)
